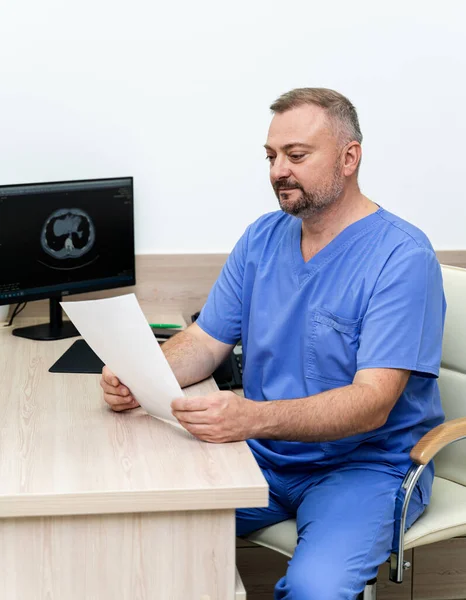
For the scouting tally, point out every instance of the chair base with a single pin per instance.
(370, 591)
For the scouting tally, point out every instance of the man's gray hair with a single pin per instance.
(341, 113)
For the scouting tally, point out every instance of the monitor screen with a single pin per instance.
(65, 238)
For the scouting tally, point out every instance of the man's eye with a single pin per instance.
(269, 158)
(296, 156)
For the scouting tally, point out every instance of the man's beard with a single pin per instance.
(310, 203)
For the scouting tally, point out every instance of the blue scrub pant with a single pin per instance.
(345, 520)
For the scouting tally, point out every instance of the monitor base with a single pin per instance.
(55, 329)
(47, 331)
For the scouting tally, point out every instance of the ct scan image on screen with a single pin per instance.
(67, 234)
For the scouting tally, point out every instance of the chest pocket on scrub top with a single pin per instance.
(333, 346)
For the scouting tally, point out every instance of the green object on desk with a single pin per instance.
(164, 326)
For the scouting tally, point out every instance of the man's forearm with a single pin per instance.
(328, 416)
(190, 360)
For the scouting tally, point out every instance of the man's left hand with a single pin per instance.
(218, 417)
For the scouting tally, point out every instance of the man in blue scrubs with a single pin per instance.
(339, 305)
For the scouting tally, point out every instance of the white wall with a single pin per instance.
(177, 94)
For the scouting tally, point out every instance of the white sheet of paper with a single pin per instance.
(118, 332)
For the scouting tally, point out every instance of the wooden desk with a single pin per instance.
(96, 505)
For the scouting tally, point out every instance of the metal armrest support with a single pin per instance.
(422, 453)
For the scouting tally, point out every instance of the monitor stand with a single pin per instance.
(56, 329)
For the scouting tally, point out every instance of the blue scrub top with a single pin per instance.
(372, 298)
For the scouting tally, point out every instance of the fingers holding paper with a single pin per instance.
(116, 395)
(217, 418)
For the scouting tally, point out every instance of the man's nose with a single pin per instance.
(279, 170)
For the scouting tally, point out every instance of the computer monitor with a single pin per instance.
(61, 238)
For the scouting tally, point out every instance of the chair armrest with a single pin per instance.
(422, 453)
(436, 439)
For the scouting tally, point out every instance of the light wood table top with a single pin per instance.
(64, 452)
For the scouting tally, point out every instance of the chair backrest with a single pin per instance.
(450, 463)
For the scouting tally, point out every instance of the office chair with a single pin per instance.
(445, 517)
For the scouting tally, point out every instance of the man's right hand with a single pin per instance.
(116, 395)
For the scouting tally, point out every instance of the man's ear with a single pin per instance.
(352, 155)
